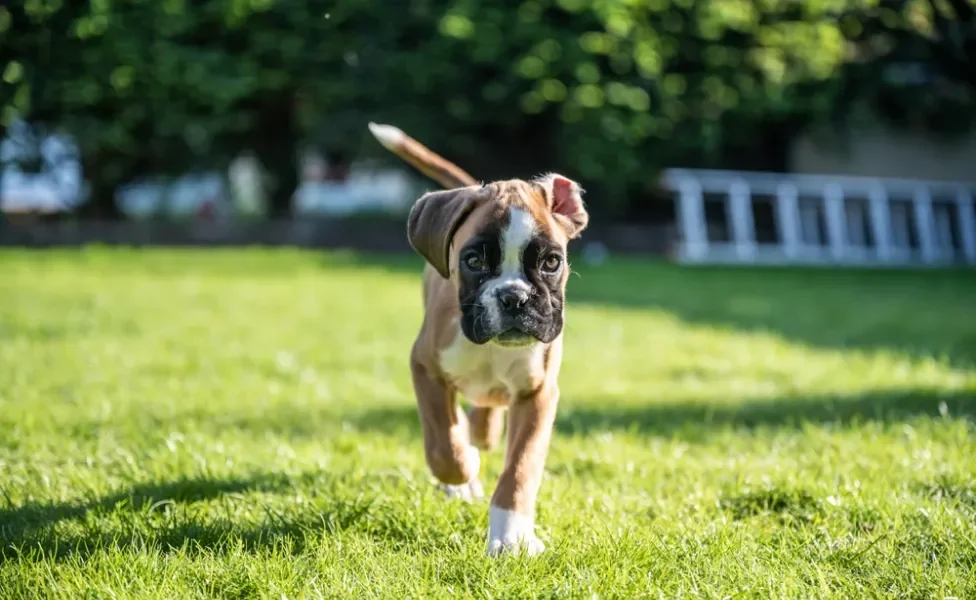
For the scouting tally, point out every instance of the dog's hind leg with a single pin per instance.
(487, 425)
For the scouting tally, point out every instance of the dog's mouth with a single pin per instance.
(514, 338)
(512, 331)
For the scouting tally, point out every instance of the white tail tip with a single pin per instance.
(388, 135)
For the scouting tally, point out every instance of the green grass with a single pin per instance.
(182, 424)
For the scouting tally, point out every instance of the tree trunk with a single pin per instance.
(101, 203)
(276, 148)
(338, 167)
(3, 169)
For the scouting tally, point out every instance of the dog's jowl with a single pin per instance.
(492, 331)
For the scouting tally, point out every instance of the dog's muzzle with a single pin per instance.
(505, 316)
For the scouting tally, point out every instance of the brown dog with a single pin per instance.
(493, 293)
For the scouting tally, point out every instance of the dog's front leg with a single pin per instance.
(447, 446)
(511, 522)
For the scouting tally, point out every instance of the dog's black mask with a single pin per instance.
(511, 283)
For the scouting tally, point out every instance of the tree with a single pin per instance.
(92, 70)
(153, 88)
(953, 41)
(607, 91)
(612, 91)
(914, 65)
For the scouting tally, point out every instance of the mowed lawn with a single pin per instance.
(240, 423)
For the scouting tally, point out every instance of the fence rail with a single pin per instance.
(840, 220)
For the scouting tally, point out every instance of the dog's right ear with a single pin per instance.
(433, 221)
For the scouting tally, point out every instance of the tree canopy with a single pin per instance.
(608, 91)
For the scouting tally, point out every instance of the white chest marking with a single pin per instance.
(480, 371)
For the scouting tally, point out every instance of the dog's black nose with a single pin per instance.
(512, 299)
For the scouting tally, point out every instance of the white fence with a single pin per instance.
(817, 220)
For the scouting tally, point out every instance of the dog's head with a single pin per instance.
(503, 245)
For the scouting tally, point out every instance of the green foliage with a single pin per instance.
(917, 65)
(608, 91)
(240, 424)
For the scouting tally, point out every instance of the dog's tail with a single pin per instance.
(428, 162)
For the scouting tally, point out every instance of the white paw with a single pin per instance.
(531, 546)
(471, 490)
(466, 491)
(511, 532)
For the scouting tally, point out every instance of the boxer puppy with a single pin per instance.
(493, 296)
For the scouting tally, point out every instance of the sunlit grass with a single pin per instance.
(178, 424)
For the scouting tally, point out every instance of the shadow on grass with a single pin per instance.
(162, 518)
(918, 312)
(696, 421)
(685, 420)
(20, 522)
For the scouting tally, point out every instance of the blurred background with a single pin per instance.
(251, 113)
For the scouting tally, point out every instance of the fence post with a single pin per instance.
(924, 224)
(880, 212)
(836, 221)
(743, 226)
(788, 217)
(967, 225)
(692, 217)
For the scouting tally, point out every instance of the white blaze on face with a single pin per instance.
(517, 235)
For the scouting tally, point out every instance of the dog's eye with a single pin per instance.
(474, 262)
(552, 263)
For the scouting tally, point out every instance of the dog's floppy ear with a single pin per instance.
(433, 221)
(565, 199)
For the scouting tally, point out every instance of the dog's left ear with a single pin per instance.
(433, 221)
(564, 197)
